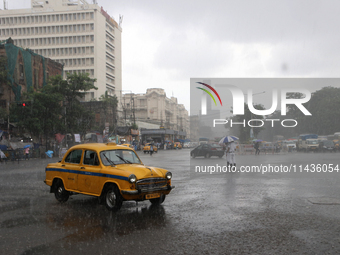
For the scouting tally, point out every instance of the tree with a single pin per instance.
(40, 115)
(109, 106)
(55, 107)
(72, 90)
(3, 73)
(324, 106)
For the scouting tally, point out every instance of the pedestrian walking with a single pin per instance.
(151, 149)
(2, 156)
(231, 159)
(27, 153)
(257, 148)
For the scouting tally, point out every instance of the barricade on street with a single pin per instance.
(246, 149)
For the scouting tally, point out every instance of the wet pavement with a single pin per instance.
(219, 213)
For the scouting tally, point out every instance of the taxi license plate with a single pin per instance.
(150, 196)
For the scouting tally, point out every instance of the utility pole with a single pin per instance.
(133, 110)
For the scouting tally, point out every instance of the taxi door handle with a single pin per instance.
(82, 167)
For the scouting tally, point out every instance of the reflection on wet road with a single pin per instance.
(220, 213)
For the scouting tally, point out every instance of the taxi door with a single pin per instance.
(71, 167)
(89, 174)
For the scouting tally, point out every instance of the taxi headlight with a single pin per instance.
(168, 175)
(132, 178)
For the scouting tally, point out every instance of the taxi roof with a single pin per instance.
(100, 146)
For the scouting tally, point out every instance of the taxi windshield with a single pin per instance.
(312, 142)
(116, 157)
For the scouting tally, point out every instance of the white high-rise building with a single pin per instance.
(80, 35)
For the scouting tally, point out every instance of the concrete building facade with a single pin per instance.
(81, 36)
(155, 108)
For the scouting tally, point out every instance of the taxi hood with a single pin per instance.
(142, 171)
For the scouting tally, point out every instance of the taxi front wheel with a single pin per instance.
(60, 193)
(113, 198)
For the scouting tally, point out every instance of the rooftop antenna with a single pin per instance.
(120, 19)
(5, 8)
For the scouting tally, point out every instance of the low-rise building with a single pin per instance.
(155, 108)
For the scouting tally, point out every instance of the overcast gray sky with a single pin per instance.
(165, 43)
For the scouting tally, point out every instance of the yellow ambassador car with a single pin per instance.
(146, 148)
(113, 173)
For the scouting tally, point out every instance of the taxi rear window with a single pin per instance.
(74, 157)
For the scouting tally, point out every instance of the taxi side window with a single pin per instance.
(91, 158)
(74, 157)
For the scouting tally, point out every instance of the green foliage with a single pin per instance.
(324, 106)
(75, 117)
(3, 72)
(3, 113)
(55, 108)
(134, 126)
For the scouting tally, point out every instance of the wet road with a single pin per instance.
(219, 213)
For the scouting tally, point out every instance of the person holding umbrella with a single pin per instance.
(231, 148)
(27, 152)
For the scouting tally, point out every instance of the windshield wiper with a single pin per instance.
(125, 160)
(109, 160)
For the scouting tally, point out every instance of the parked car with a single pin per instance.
(146, 148)
(186, 145)
(326, 146)
(289, 145)
(112, 172)
(207, 150)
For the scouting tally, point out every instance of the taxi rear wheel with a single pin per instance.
(60, 193)
(158, 201)
(113, 199)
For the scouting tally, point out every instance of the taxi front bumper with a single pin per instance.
(147, 190)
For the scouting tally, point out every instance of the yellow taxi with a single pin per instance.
(146, 148)
(112, 172)
(128, 145)
(177, 145)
